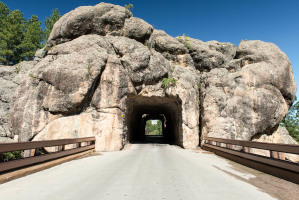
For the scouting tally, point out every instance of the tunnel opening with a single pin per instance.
(154, 126)
(165, 110)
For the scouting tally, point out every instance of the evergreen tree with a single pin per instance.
(32, 39)
(11, 35)
(291, 121)
(19, 39)
(4, 11)
(50, 21)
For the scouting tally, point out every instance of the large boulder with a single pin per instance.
(211, 54)
(251, 100)
(101, 19)
(101, 66)
(138, 29)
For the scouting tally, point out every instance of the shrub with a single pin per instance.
(185, 39)
(15, 155)
(167, 82)
(18, 68)
(128, 8)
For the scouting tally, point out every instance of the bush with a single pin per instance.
(185, 39)
(128, 8)
(15, 155)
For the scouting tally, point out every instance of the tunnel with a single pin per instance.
(167, 109)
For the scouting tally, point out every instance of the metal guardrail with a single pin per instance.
(241, 152)
(32, 151)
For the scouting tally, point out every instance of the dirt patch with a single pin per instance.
(276, 187)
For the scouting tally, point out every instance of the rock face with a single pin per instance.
(101, 66)
(253, 97)
(281, 136)
(10, 78)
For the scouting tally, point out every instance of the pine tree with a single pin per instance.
(291, 121)
(4, 11)
(50, 21)
(11, 35)
(32, 38)
(19, 39)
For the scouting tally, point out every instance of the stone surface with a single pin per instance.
(101, 19)
(211, 54)
(251, 100)
(137, 29)
(10, 78)
(99, 58)
(280, 136)
(6, 140)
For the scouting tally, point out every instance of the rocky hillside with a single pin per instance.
(100, 61)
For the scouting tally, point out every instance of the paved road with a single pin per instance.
(141, 171)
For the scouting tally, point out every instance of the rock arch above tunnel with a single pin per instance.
(100, 63)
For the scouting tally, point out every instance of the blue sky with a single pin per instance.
(274, 21)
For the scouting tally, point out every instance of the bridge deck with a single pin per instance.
(149, 171)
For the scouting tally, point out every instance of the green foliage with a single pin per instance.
(18, 68)
(128, 8)
(89, 70)
(4, 11)
(167, 82)
(185, 39)
(291, 121)
(50, 21)
(32, 76)
(19, 38)
(32, 39)
(12, 27)
(153, 129)
(50, 47)
(4, 157)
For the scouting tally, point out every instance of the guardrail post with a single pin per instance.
(78, 144)
(61, 148)
(246, 149)
(34, 152)
(274, 154)
(281, 156)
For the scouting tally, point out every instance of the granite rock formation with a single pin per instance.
(10, 78)
(101, 64)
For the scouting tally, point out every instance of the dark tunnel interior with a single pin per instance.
(166, 109)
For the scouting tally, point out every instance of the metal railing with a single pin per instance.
(244, 152)
(33, 153)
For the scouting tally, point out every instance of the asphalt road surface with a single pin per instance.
(140, 171)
